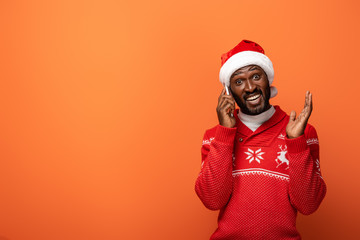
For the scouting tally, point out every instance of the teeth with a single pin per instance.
(253, 97)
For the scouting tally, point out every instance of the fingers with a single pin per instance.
(221, 94)
(226, 103)
(306, 112)
(229, 108)
(225, 109)
(310, 104)
(224, 96)
(224, 93)
(292, 116)
(306, 99)
(297, 125)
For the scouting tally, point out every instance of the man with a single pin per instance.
(259, 165)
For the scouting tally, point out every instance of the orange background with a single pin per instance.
(104, 105)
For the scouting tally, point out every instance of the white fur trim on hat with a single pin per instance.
(242, 59)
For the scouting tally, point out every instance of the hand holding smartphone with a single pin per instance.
(228, 93)
(225, 108)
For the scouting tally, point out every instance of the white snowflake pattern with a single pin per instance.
(254, 155)
(281, 136)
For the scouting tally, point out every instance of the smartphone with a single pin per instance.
(227, 90)
(228, 93)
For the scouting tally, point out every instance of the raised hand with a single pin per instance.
(225, 108)
(296, 126)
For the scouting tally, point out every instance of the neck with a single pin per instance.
(255, 121)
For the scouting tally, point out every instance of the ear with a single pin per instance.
(273, 91)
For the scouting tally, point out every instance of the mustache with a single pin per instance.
(255, 92)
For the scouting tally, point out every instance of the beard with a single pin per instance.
(253, 110)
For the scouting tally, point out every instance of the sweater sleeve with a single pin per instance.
(307, 187)
(215, 182)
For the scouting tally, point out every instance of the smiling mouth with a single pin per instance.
(252, 98)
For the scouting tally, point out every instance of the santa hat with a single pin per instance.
(244, 54)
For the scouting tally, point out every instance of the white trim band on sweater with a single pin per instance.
(263, 171)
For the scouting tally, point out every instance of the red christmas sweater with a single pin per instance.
(259, 180)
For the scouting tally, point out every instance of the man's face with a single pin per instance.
(250, 88)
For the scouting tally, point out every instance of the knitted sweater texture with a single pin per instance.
(260, 180)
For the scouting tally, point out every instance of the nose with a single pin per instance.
(249, 86)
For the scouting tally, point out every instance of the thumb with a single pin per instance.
(292, 116)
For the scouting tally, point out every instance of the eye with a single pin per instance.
(238, 82)
(256, 76)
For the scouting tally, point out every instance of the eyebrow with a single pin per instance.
(251, 69)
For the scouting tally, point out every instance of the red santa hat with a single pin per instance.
(244, 54)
